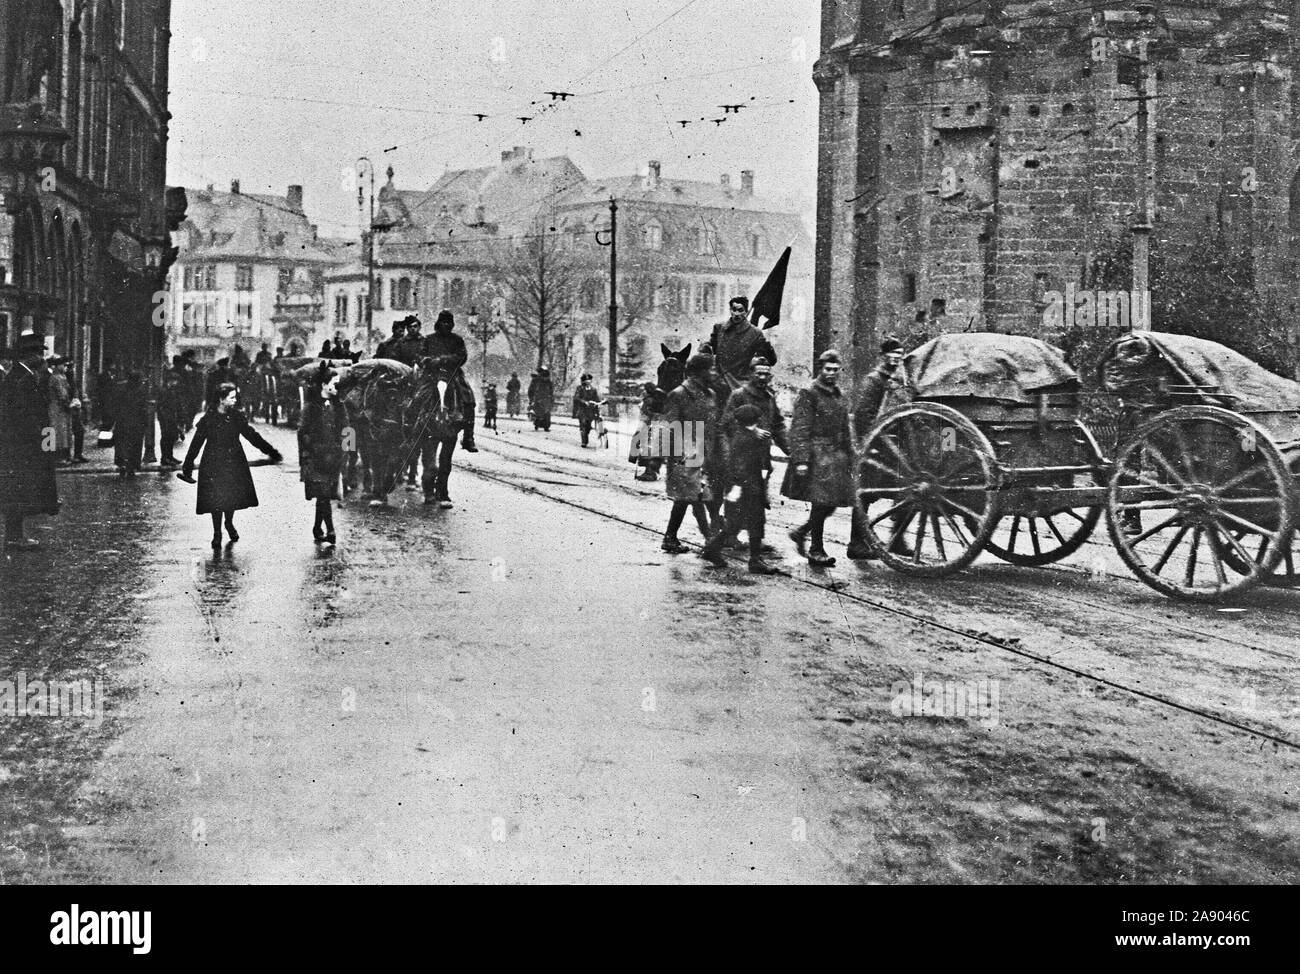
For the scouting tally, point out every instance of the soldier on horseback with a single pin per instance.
(735, 343)
(444, 345)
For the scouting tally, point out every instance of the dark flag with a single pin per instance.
(767, 302)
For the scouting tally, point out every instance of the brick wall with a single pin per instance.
(968, 167)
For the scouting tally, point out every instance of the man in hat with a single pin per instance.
(444, 344)
(884, 383)
(220, 374)
(735, 343)
(411, 346)
(541, 398)
(27, 484)
(757, 393)
(586, 404)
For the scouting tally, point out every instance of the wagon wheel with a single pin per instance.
(1034, 540)
(927, 489)
(1287, 572)
(1208, 500)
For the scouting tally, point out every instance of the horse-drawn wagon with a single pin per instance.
(994, 453)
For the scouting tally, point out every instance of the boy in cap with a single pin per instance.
(748, 458)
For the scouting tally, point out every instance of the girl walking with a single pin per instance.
(225, 482)
(320, 450)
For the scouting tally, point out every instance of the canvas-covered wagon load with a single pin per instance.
(1199, 493)
(981, 365)
(1165, 370)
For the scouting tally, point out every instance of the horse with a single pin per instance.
(435, 415)
(671, 374)
(376, 395)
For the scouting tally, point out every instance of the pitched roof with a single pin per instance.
(229, 226)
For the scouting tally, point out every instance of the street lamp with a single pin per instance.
(369, 241)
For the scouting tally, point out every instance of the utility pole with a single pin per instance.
(612, 244)
(370, 253)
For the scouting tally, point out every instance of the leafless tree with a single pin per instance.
(538, 278)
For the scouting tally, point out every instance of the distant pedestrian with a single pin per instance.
(128, 432)
(490, 407)
(60, 392)
(320, 450)
(80, 407)
(225, 482)
(586, 406)
(326, 350)
(171, 417)
(821, 457)
(749, 460)
(512, 395)
(27, 480)
(691, 414)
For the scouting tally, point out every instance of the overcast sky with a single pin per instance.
(274, 92)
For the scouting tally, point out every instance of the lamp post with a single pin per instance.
(369, 241)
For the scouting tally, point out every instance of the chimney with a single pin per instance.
(655, 170)
(726, 180)
(234, 186)
(315, 230)
(747, 182)
(480, 215)
(295, 198)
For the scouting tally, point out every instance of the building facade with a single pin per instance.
(978, 160)
(84, 247)
(249, 271)
(684, 248)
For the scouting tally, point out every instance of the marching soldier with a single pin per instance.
(756, 393)
(883, 384)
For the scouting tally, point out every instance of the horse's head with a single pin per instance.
(672, 370)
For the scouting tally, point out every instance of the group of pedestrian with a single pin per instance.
(726, 418)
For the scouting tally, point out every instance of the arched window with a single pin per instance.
(456, 293)
(653, 235)
(589, 296)
(754, 243)
(402, 297)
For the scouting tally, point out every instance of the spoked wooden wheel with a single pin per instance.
(1201, 505)
(1034, 540)
(928, 489)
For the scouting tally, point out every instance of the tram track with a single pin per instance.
(584, 471)
(839, 590)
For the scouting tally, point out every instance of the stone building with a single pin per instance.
(250, 270)
(84, 245)
(978, 159)
(685, 247)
